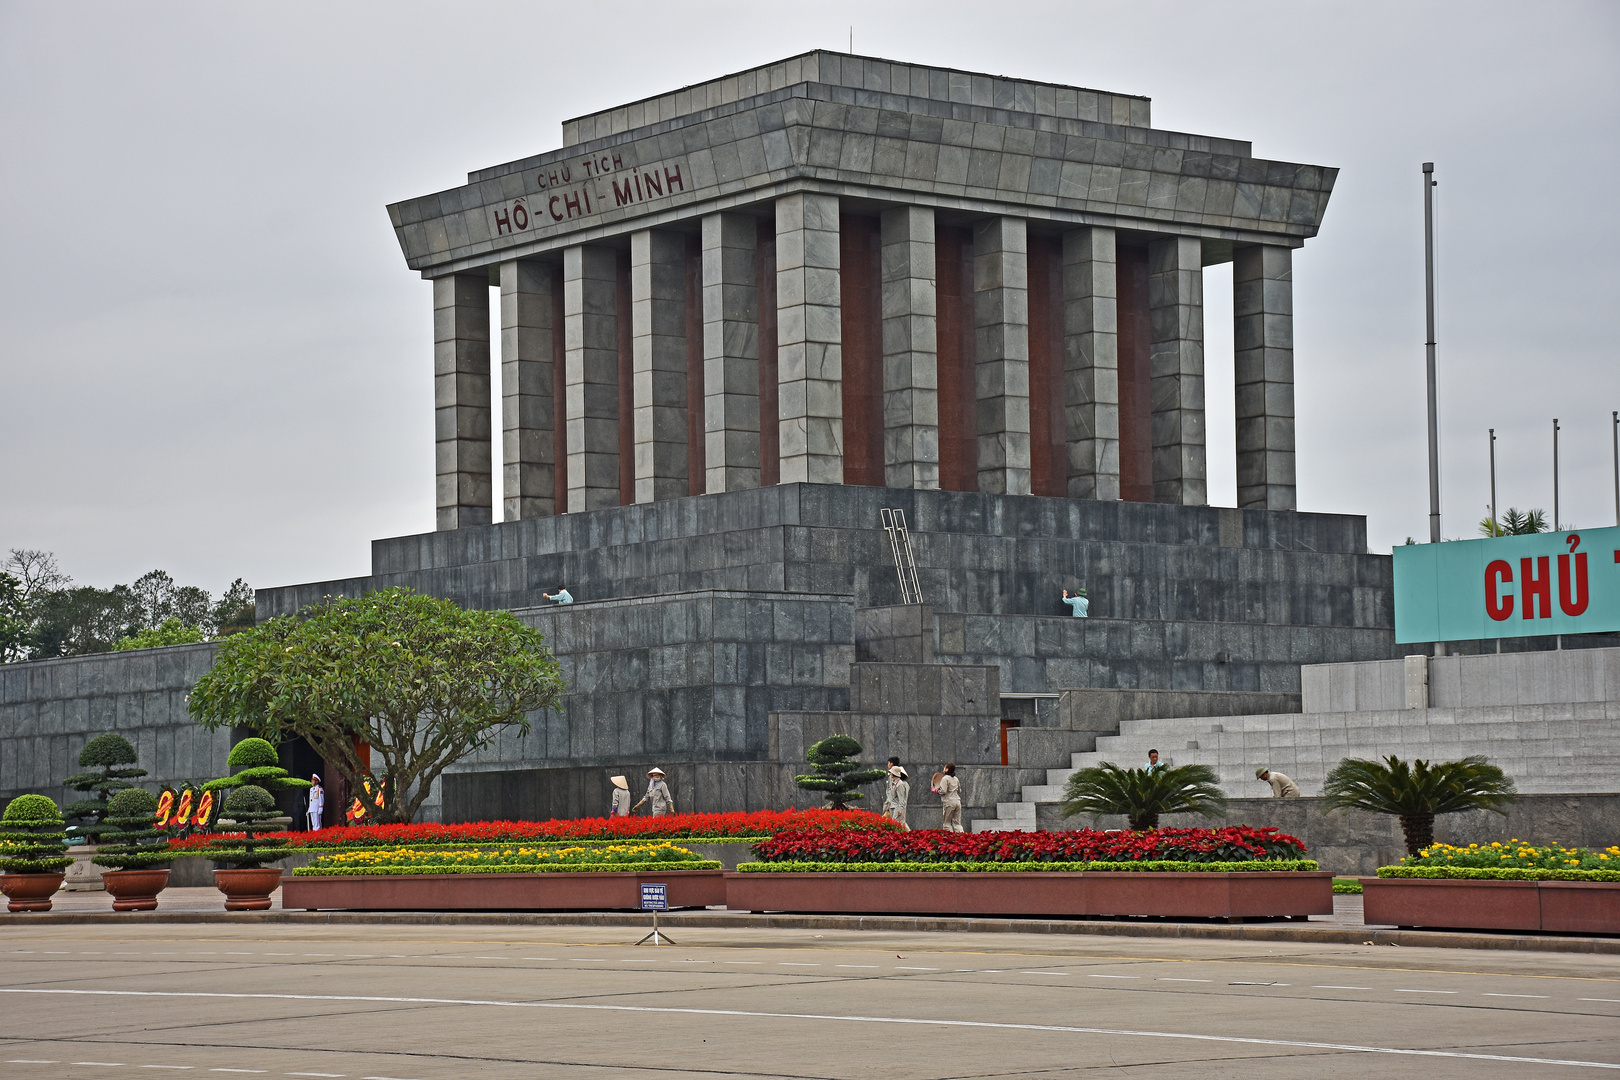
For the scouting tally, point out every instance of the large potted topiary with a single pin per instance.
(114, 758)
(32, 846)
(135, 849)
(250, 809)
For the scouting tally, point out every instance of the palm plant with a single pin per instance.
(1416, 792)
(1142, 795)
(1514, 523)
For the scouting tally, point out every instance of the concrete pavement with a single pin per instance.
(392, 1002)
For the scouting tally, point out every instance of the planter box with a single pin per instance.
(1256, 894)
(1573, 907)
(558, 891)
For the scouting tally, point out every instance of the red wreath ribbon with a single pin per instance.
(165, 808)
(204, 811)
(182, 813)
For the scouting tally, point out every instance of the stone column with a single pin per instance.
(1263, 339)
(730, 352)
(1001, 338)
(809, 339)
(461, 420)
(591, 376)
(1176, 357)
(528, 409)
(910, 350)
(1091, 363)
(658, 362)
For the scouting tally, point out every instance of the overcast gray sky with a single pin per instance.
(213, 359)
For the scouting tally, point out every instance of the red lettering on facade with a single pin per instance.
(673, 179)
(624, 196)
(1573, 601)
(1532, 586)
(503, 223)
(520, 215)
(618, 163)
(571, 205)
(655, 186)
(551, 207)
(1498, 572)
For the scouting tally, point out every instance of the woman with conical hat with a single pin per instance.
(657, 793)
(621, 797)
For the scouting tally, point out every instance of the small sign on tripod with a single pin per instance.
(654, 898)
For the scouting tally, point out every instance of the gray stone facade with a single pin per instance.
(794, 151)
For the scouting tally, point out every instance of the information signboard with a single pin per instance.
(1509, 586)
(654, 897)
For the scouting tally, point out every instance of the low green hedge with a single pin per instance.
(1347, 886)
(1024, 867)
(1473, 873)
(509, 868)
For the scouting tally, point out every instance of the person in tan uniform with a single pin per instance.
(657, 793)
(621, 797)
(950, 798)
(1281, 786)
(894, 798)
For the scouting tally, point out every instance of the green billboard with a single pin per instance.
(1509, 586)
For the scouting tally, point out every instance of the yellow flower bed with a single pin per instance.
(1516, 855)
(512, 859)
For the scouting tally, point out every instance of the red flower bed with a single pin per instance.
(1239, 843)
(670, 827)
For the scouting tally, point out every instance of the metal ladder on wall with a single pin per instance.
(905, 567)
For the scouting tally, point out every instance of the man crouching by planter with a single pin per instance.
(249, 810)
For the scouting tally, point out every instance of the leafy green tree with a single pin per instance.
(171, 632)
(421, 680)
(836, 773)
(1417, 792)
(82, 620)
(235, 609)
(1142, 795)
(115, 758)
(14, 630)
(256, 762)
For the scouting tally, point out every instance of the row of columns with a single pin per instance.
(562, 337)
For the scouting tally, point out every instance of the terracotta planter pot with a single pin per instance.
(1578, 907)
(1245, 895)
(602, 890)
(135, 890)
(30, 892)
(248, 890)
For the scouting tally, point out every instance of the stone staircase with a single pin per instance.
(1550, 720)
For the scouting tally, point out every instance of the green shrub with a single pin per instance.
(115, 758)
(1146, 866)
(1346, 886)
(836, 773)
(32, 837)
(251, 809)
(132, 841)
(1471, 873)
(252, 754)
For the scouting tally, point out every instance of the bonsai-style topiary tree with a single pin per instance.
(251, 808)
(1416, 792)
(837, 774)
(32, 838)
(251, 805)
(115, 757)
(130, 840)
(1142, 795)
(420, 680)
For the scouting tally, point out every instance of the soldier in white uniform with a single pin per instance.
(657, 793)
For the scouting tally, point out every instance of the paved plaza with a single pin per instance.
(401, 1002)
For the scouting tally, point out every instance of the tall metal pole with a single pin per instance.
(1615, 419)
(1555, 474)
(1495, 529)
(1428, 307)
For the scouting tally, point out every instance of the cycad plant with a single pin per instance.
(1416, 791)
(1142, 795)
(837, 774)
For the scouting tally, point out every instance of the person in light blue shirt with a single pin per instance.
(1153, 765)
(561, 596)
(1078, 602)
